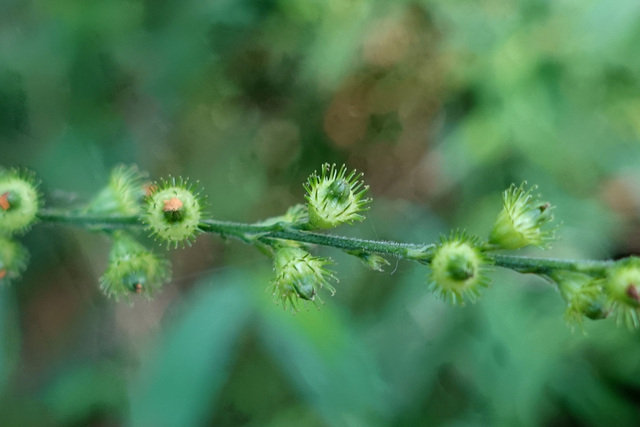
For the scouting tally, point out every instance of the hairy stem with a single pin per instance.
(81, 219)
(253, 233)
(278, 231)
(523, 264)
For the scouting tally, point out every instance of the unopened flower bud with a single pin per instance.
(20, 201)
(458, 269)
(335, 198)
(372, 261)
(133, 269)
(13, 260)
(295, 215)
(299, 275)
(622, 285)
(583, 295)
(123, 194)
(173, 212)
(521, 221)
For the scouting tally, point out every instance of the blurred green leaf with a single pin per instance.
(327, 363)
(590, 398)
(9, 338)
(4, 357)
(178, 379)
(85, 390)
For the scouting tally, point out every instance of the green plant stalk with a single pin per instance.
(258, 232)
(524, 264)
(80, 219)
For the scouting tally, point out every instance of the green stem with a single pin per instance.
(279, 231)
(81, 219)
(523, 264)
(254, 233)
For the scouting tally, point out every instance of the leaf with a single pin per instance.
(81, 391)
(9, 338)
(327, 363)
(180, 378)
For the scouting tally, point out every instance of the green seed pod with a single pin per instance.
(133, 269)
(335, 198)
(20, 201)
(622, 286)
(298, 275)
(123, 195)
(458, 269)
(520, 222)
(583, 295)
(173, 212)
(13, 260)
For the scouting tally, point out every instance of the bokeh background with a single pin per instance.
(442, 104)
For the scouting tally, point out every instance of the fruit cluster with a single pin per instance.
(171, 211)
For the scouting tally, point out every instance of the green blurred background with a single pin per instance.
(442, 104)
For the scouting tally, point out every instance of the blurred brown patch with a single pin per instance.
(618, 194)
(388, 43)
(48, 320)
(384, 112)
(277, 143)
(346, 119)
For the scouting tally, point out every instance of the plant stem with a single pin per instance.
(81, 219)
(523, 264)
(277, 231)
(250, 233)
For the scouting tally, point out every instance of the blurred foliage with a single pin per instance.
(441, 103)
